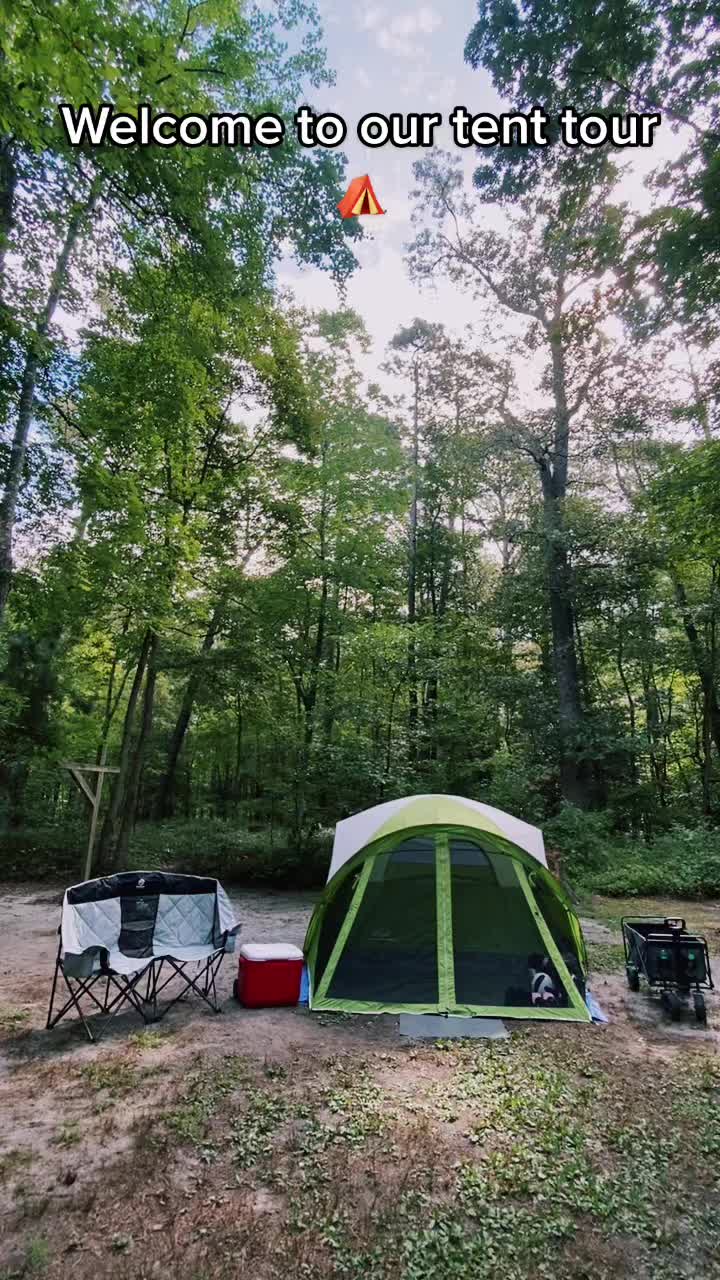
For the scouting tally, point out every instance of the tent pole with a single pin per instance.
(344, 933)
(444, 925)
(552, 947)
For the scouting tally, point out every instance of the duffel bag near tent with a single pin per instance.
(438, 904)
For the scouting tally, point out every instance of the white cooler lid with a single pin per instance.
(270, 951)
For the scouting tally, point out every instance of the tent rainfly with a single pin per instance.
(438, 904)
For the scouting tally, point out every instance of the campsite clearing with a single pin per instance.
(275, 1143)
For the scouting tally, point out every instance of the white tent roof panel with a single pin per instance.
(354, 833)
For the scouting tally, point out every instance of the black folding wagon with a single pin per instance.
(671, 960)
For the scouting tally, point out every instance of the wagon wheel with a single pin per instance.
(235, 990)
(671, 1005)
(676, 1006)
(700, 1010)
(633, 977)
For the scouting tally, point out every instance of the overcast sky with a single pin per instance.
(393, 56)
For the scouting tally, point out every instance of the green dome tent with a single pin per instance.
(438, 904)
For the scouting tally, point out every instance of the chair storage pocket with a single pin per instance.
(83, 965)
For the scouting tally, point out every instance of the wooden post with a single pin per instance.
(77, 773)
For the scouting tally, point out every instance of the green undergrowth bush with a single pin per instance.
(201, 847)
(582, 839)
(683, 862)
(42, 852)
(212, 847)
(680, 862)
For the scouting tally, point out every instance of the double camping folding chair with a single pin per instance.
(125, 938)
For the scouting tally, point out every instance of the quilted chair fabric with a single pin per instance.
(123, 922)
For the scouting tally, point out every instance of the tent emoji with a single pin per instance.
(359, 199)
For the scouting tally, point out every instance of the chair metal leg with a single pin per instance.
(83, 988)
(126, 994)
(123, 991)
(48, 1024)
(206, 977)
(152, 989)
(141, 991)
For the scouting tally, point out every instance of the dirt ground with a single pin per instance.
(73, 1115)
(28, 943)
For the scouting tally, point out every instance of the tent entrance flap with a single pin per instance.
(494, 933)
(389, 953)
(442, 921)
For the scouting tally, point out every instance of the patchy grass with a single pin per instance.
(606, 957)
(254, 1131)
(38, 1255)
(116, 1076)
(11, 1162)
(68, 1135)
(562, 1153)
(531, 1157)
(200, 1099)
(148, 1039)
(12, 1020)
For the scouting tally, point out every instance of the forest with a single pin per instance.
(270, 590)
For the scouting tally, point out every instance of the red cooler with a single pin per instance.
(269, 973)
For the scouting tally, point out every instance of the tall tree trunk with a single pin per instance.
(412, 569)
(389, 731)
(702, 660)
(310, 699)
(33, 360)
(707, 769)
(166, 801)
(238, 739)
(439, 607)
(574, 776)
(111, 824)
(129, 809)
(632, 713)
(8, 184)
(654, 730)
(113, 696)
(332, 663)
(307, 692)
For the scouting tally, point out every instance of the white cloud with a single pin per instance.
(442, 91)
(428, 20)
(371, 19)
(429, 89)
(399, 36)
(362, 78)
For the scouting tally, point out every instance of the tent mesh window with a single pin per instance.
(554, 914)
(391, 951)
(494, 932)
(557, 921)
(335, 913)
